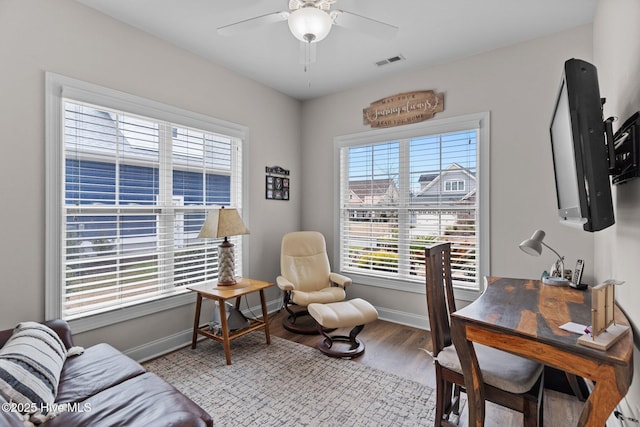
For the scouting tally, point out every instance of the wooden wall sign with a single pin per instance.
(403, 109)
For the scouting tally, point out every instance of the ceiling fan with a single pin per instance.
(310, 21)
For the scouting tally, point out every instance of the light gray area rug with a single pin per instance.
(290, 384)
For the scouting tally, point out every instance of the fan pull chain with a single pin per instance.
(307, 61)
(307, 56)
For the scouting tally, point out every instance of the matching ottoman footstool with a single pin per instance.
(354, 314)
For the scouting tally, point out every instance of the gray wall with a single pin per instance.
(68, 38)
(518, 85)
(617, 56)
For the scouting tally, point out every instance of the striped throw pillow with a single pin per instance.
(30, 365)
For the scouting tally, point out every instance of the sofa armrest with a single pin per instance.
(59, 326)
(4, 336)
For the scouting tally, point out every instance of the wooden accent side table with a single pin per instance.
(212, 291)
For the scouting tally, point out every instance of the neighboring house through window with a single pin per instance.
(405, 188)
(129, 185)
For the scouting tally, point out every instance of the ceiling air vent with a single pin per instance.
(390, 60)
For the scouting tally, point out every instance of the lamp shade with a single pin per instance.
(310, 24)
(222, 223)
(533, 246)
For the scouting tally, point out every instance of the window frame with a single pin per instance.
(58, 87)
(457, 183)
(480, 121)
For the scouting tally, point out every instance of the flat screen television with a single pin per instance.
(581, 158)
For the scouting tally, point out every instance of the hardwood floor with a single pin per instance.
(402, 350)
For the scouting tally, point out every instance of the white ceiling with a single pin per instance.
(430, 32)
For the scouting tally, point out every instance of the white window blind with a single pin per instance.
(128, 184)
(398, 195)
(135, 192)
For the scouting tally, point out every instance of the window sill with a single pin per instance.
(462, 293)
(96, 321)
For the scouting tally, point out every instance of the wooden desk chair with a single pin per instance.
(510, 381)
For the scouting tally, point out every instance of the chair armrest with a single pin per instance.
(284, 284)
(340, 280)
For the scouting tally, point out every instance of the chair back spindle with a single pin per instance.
(440, 299)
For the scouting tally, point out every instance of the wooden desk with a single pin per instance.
(523, 317)
(210, 290)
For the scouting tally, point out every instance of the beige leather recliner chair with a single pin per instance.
(306, 278)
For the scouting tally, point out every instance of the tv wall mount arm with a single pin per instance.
(624, 165)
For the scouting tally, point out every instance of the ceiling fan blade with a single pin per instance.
(363, 24)
(252, 23)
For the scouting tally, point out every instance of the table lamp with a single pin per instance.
(533, 246)
(224, 223)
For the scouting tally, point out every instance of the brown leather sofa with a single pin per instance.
(103, 387)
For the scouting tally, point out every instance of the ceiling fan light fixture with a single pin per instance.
(310, 24)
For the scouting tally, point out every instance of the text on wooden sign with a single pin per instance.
(403, 109)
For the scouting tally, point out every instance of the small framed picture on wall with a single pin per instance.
(277, 187)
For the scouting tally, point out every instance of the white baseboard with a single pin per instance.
(153, 349)
(403, 318)
(156, 348)
(164, 345)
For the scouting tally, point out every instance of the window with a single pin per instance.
(454, 185)
(133, 181)
(401, 190)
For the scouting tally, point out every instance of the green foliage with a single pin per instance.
(380, 260)
(418, 243)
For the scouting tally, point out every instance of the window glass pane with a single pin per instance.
(138, 184)
(89, 182)
(371, 230)
(136, 195)
(400, 196)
